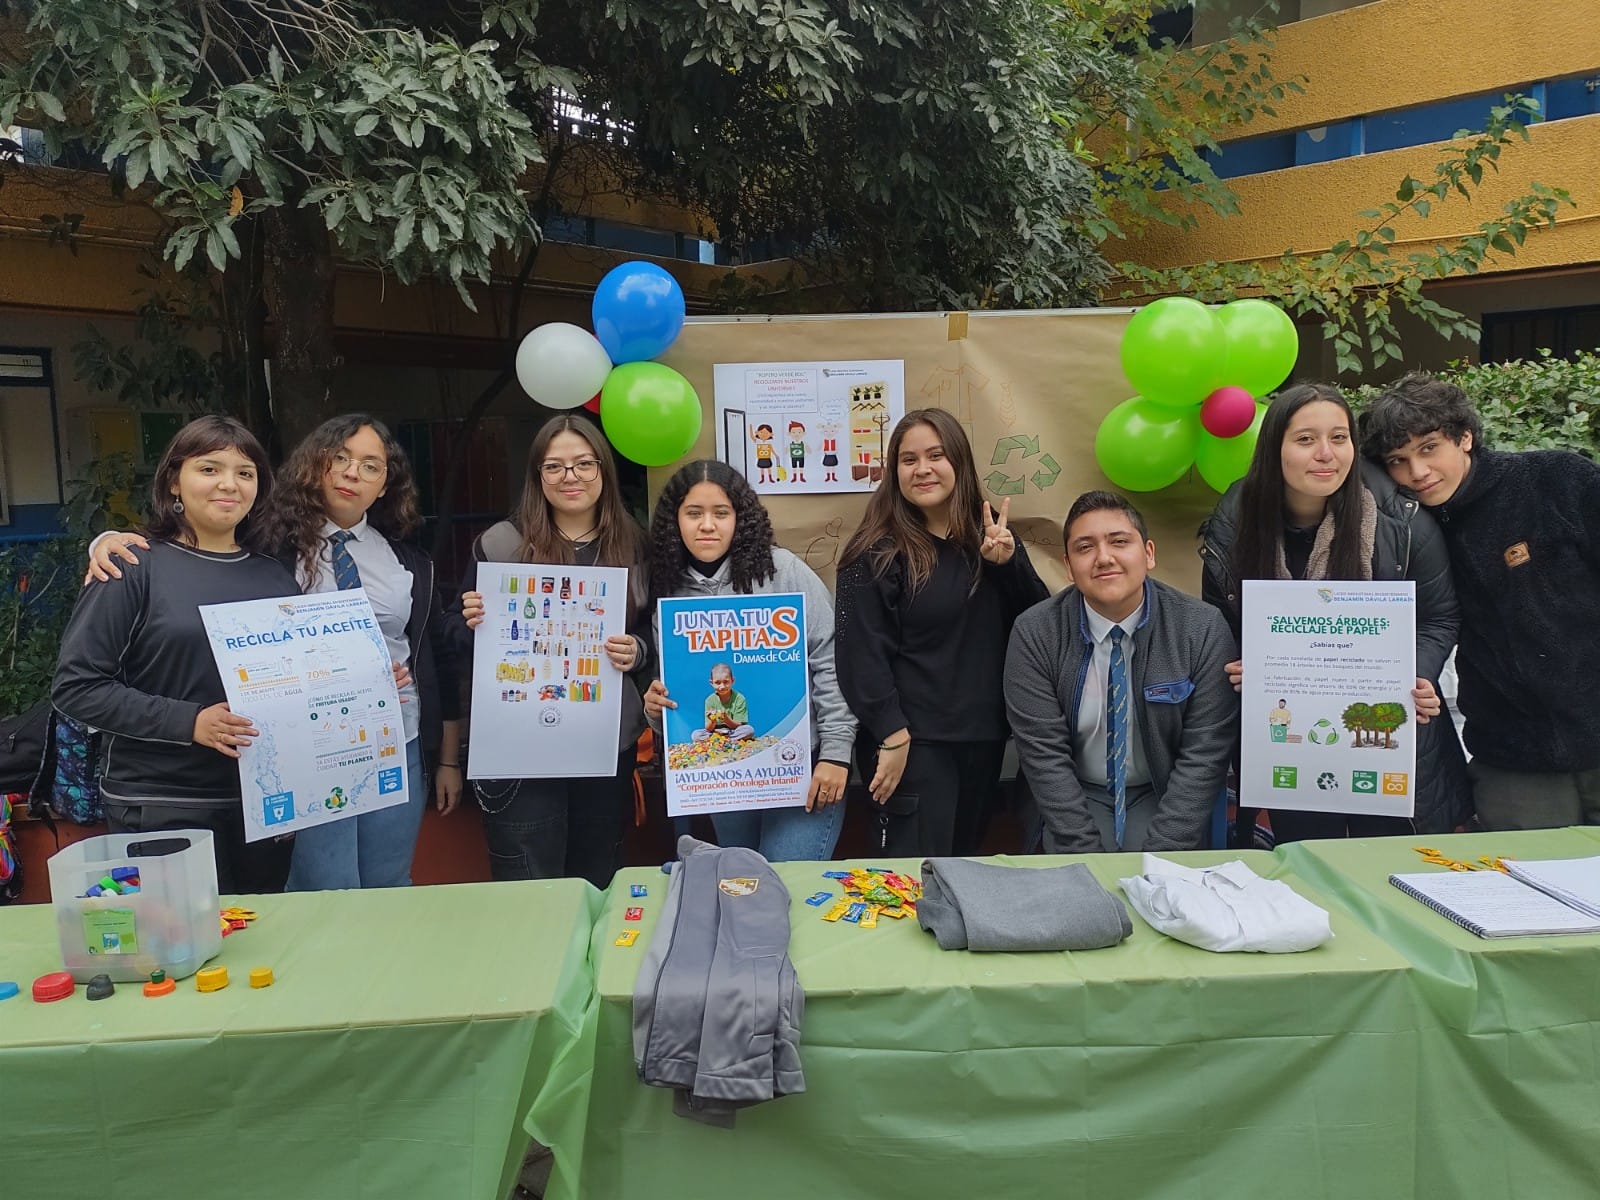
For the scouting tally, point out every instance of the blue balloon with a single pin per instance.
(638, 310)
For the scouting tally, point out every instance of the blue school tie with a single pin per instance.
(1117, 733)
(345, 574)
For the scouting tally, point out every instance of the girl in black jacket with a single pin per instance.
(1305, 510)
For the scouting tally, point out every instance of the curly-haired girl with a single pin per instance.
(571, 512)
(344, 502)
(929, 586)
(711, 536)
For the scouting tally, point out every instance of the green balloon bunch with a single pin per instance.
(1176, 352)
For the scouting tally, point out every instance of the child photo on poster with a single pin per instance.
(744, 740)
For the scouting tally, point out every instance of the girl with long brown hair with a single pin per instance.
(571, 511)
(928, 588)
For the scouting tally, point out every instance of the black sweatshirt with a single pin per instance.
(136, 664)
(932, 662)
(1521, 531)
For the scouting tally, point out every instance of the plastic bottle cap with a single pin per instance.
(57, 985)
(158, 976)
(260, 977)
(211, 979)
(159, 987)
(8, 989)
(101, 987)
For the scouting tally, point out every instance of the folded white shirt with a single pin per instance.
(1225, 908)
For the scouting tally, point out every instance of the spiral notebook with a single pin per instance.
(1573, 881)
(1493, 905)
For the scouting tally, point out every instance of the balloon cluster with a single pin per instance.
(650, 413)
(1198, 372)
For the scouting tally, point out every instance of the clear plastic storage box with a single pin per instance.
(171, 923)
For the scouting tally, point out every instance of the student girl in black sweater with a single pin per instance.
(136, 663)
(928, 588)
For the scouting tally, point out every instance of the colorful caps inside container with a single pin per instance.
(57, 985)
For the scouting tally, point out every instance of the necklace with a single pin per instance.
(581, 538)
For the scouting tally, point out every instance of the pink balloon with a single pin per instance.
(1227, 412)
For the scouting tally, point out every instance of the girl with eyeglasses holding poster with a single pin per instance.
(571, 512)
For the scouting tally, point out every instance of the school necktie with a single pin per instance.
(1117, 733)
(345, 574)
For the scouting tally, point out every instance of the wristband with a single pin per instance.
(895, 746)
(457, 766)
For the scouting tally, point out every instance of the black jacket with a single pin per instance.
(1407, 545)
(433, 660)
(1521, 534)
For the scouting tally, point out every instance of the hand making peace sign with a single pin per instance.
(999, 544)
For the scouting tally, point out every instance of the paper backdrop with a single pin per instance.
(1031, 388)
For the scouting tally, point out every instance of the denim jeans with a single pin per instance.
(783, 834)
(372, 850)
(558, 828)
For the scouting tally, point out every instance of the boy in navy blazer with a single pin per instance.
(1122, 714)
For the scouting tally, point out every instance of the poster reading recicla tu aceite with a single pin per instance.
(740, 736)
(313, 674)
(546, 701)
(1327, 716)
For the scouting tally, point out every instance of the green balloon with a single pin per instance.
(1143, 447)
(1173, 352)
(650, 413)
(1223, 461)
(1262, 345)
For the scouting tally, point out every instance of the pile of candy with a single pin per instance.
(235, 919)
(714, 750)
(1484, 863)
(870, 894)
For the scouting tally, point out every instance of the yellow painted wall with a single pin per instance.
(1393, 54)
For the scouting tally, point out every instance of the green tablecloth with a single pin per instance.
(1151, 1069)
(1510, 1053)
(405, 1037)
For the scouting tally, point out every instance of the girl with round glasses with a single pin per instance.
(571, 512)
(345, 502)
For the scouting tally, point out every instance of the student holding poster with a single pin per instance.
(1305, 511)
(571, 512)
(711, 537)
(136, 663)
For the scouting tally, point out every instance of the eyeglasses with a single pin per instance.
(585, 470)
(371, 469)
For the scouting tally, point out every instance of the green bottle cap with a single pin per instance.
(158, 976)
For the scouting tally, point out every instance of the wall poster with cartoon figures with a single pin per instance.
(1327, 712)
(313, 674)
(800, 427)
(546, 701)
(740, 736)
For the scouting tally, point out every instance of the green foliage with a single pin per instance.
(165, 364)
(38, 586)
(1354, 288)
(1547, 404)
(404, 140)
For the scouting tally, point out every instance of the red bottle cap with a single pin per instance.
(57, 985)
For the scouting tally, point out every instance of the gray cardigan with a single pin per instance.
(1188, 723)
(833, 726)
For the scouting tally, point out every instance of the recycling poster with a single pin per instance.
(1328, 720)
(798, 428)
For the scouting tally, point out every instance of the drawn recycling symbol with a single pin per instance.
(1002, 484)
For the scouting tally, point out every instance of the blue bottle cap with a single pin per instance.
(8, 989)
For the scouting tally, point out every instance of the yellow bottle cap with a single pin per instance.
(211, 979)
(260, 977)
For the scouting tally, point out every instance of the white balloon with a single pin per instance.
(561, 366)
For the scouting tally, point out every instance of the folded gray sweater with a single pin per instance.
(971, 905)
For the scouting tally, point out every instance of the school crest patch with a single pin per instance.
(1518, 554)
(741, 885)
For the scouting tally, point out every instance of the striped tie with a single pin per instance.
(1117, 733)
(345, 574)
